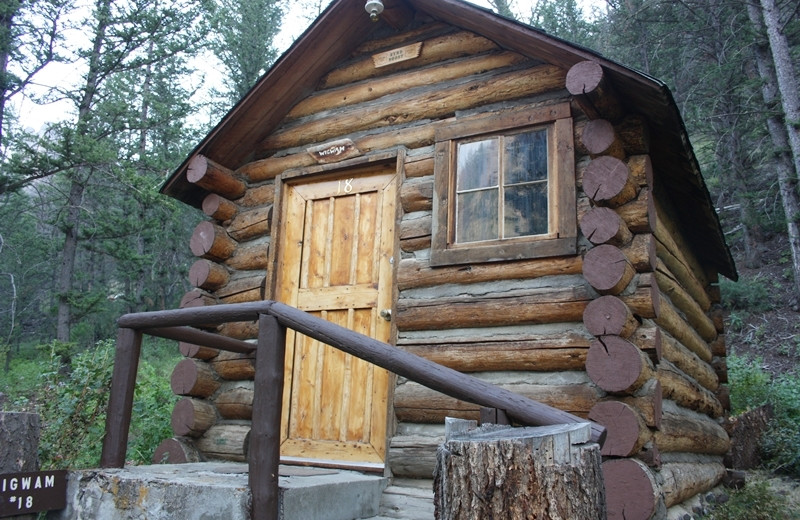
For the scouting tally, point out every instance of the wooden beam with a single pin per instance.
(265, 436)
(120, 402)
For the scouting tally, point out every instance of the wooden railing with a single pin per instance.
(273, 320)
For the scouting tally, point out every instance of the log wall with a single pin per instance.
(622, 333)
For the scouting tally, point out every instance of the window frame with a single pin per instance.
(561, 238)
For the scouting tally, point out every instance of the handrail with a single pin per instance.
(274, 318)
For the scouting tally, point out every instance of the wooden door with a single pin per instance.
(334, 260)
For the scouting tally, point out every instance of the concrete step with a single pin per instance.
(209, 490)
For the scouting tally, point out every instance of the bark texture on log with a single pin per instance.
(415, 403)
(687, 392)
(686, 431)
(683, 480)
(412, 273)
(236, 402)
(225, 441)
(519, 473)
(19, 442)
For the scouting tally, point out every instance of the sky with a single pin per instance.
(35, 116)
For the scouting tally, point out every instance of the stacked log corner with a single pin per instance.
(657, 347)
(211, 420)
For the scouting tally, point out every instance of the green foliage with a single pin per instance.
(750, 294)
(752, 386)
(20, 381)
(755, 501)
(563, 18)
(245, 30)
(72, 400)
(73, 403)
(153, 401)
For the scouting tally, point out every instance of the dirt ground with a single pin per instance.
(774, 334)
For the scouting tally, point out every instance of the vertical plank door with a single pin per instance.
(334, 260)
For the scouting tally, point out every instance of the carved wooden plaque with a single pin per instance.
(334, 151)
(409, 52)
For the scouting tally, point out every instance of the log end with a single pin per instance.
(584, 77)
(175, 451)
(182, 417)
(608, 315)
(623, 427)
(605, 178)
(197, 168)
(202, 239)
(607, 269)
(600, 225)
(184, 377)
(631, 491)
(598, 136)
(614, 364)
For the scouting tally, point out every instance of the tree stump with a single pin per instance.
(500, 472)
(19, 442)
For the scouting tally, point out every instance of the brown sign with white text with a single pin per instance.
(33, 492)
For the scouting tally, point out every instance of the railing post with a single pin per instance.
(120, 402)
(265, 435)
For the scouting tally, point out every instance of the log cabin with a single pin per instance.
(481, 194)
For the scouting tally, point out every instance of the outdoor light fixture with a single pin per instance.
(374, 8)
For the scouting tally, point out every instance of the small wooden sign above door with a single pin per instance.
(334, 151)
(409, 52)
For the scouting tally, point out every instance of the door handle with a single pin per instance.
(386, 314)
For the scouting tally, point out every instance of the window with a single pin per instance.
(505, 188)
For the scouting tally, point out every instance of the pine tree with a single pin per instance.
(244, 34)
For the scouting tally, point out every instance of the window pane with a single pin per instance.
(477, 165)
(476, 216)
(526, 157)
(525, 210)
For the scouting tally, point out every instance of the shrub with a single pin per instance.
(752, 386)
(750, 294)
(74, 401)
(73, 406)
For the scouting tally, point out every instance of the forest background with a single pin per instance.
(85, 237)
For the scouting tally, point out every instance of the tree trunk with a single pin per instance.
(551, 472)
(77, 184)
(781, 79)
(68, 253)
